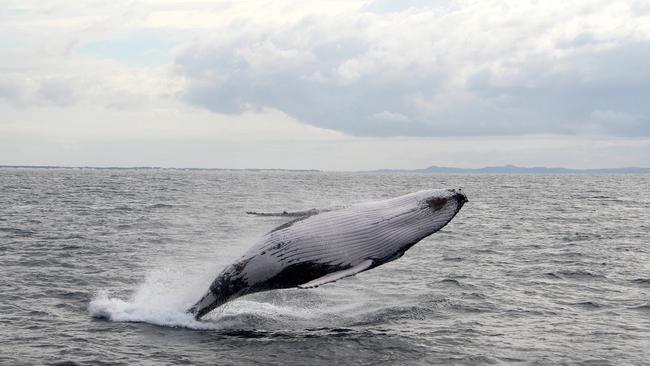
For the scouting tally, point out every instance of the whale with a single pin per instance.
(323, 246)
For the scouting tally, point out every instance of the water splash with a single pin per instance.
(118, 310)
(160, 299)
(164, 296)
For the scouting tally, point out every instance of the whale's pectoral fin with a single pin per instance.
(335, 276)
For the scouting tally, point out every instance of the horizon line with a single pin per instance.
(396, 170)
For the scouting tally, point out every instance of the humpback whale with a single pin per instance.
(319, 247)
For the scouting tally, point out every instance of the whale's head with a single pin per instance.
(445, 199)
(436, 207)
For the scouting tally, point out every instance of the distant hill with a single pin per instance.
(512, 169)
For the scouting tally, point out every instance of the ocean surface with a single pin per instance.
(98, 266)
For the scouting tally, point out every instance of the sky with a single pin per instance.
(331, 85)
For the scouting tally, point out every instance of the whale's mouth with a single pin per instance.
(461, 198)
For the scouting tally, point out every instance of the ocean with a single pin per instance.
(98, 266)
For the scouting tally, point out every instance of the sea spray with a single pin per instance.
(239, 314)
(160, 299)
(118, 310)
(163, 296)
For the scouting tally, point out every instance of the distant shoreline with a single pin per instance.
(512, 169)
(506, 169)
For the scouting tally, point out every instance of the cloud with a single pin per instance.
(9, 91)
(66, 54)
(181, 136)
(55, 91)
(449, 68)
(389, 116)
(378, 68)
(31, 80)
(325, 84)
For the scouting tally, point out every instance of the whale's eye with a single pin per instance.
(436, 203)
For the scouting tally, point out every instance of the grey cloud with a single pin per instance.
(9, 92)
(350, 80)
(22, 92)
(572, 101)
(58, 92)
(582, 39)
(222, 81)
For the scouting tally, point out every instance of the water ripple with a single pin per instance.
(98, 267)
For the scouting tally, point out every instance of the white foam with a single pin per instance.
(114, 309)
(230, 316)
(161, 299)
(164, 296)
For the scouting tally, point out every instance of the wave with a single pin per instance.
(17, 232)
(575, 274)
(159, 205)
(236, 315)
(450, 281)
(576, 237)
(587, 304)
(642, 281)
(644, 307)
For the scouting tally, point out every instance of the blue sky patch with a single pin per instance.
(136, 48)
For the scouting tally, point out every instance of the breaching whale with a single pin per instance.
(325, 246)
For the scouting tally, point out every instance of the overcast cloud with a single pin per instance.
(394, 83)
(448, 68)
